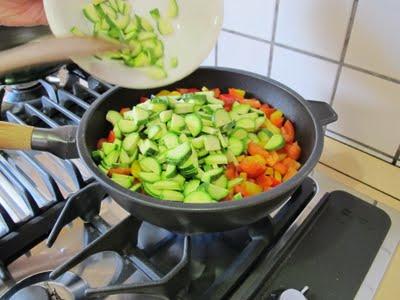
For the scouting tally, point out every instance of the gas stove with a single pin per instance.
(62, 238)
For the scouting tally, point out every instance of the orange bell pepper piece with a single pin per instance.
(277, 118)
(273, 158)
(121, 171)
(237, 93)
(231, 172)
(251, 189)
(291, 163)
(288, 132)
(267, 110)
(281, 168)
(252, 102)
(293, 150)
(254, 149)
(289, 174)
(264, 181)
(254, 166)
(217, 92)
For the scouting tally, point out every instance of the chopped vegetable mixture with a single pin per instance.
(199, 146)
(115, 19)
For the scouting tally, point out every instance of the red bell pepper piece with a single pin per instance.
(111, 137)
(281, 168)
(231, 172)
(254, 149)
(293, 150)
(254, 166)
(264, 181)
(237, 93)
(288, 132)
(143, 99)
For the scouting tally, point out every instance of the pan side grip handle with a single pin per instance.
(59, 141)
(323, 112)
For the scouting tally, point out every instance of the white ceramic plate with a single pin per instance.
(196, 32)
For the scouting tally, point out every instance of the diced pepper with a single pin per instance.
(264, 181)
(288, 132)
(254, 166)
(217, 92)
(227, 98)
(100, 143)
(240, 158)
(275, 182)
(252, 102)
(278, 176)
(124, 110)
(269, 171)
(143, 99)
(267, 110)
(121, 171)
(239, 189)
(243, 175)
(291, 163)
(230, 195)
(175, 93)
(281, 168)
(277, 118)
(293, 150)
(237, 93)
(135, 169)
(231, 172)
(111, 137)
(273, 158)
(282, 156)
(188, 91)
(289, 174)
(250, 188)
(254, 149)
(163, 93)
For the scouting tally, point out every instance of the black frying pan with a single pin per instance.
(309, 118)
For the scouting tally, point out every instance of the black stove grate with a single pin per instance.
(26, 214)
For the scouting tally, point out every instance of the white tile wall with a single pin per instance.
(243, 53)
(375, 42)
(368, 105)
(252, 17)
(314, 25)
(368, 109)
(210, 60)
(311, 77)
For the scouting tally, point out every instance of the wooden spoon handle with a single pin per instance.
(15, 137)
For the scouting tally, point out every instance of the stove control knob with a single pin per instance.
(293, 294)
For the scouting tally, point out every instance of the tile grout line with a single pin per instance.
(246, 35)
(358, 180)
(307, 53)
(274, 28)
(372, 73)
(344, 50)
(361, 144)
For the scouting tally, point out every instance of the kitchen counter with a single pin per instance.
(377, 180)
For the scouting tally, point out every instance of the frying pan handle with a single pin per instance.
(323, 112)
(59, 141)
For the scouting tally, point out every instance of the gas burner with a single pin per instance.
(68, 286)
(24, 92)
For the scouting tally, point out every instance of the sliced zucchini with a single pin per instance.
(149, 164)
(198, 197)
(276, 142)
(194, 124)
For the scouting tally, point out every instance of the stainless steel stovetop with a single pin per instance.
(45, 180)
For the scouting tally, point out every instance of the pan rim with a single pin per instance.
(151, 202)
